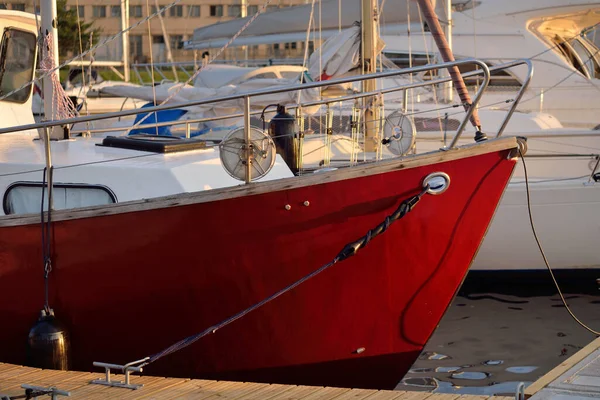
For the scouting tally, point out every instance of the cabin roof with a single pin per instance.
(130, 174)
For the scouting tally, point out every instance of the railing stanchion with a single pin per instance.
(248, 144)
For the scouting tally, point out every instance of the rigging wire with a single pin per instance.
(434, 92)
(211, 59)
(90, 50)
(305, 60)
(543, 254)
(564, 79)
(85, 104)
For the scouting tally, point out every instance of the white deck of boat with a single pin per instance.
(130, 174)
(577, 378)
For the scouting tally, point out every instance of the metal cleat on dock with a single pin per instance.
(133, 366)
(33, 392)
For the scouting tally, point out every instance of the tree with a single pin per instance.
(68, 30)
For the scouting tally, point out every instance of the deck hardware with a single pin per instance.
(359, 350)
(438, 182)
(126, 369)
(37, 391)
(521, 149)
(288, 207)
(595, 175)
(520, 393)
(306, 203)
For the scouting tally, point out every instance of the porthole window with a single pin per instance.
(26, 197)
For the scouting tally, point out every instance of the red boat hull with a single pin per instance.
(130, 283)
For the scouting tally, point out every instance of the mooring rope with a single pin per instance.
(349, 250)
(46, 236)
(537, 240)
(29, 395)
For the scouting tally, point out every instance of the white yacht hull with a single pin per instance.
(565, 203)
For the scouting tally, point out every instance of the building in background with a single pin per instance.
(180, 22)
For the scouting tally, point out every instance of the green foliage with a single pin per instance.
(68, 30)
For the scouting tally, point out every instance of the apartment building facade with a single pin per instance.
(179, 23)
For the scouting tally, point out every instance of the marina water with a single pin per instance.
(504, 328)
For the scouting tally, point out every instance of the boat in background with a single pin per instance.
(553, 34)
(128, 278)
(562, 162)
(557, 35)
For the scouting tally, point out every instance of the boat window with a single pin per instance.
(578, 54)
(26, 197)
(498, 78)
(404, 60)
(588, 55)
(17, 56)
(265, 75)
(290, 74)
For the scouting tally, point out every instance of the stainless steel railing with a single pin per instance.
(483, 70)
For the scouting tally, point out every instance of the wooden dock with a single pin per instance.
(576, 378)
(79, 385)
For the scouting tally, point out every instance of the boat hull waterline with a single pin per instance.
(129, 282)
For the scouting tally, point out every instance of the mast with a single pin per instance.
(48, 27)
(125, 38)
(244, 14)
(369, 64)
(447, 56)
(167, 42)
(449, 22)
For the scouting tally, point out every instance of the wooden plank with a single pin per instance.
(562, 368)
(162, 387)
(8, 367)
(238, 389)
(408, 395)
(268, 392)
(407, 162)
(9, 373)
(356, 394)
(473, 397)
(386, 395)
(195, 389)
(444, 396)
(151, 388)
(33, 377)
(298, 392)
(324, 393)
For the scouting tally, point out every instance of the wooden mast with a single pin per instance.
(369, 41)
